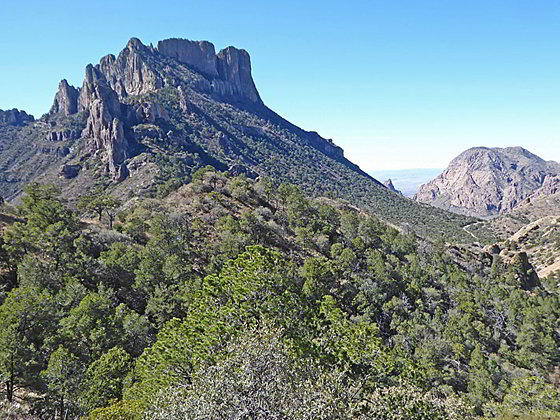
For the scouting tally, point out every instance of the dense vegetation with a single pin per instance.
(238, 299)
(261, 142)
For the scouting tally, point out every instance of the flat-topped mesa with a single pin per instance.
(66, 99)
(15, 117)
(229, 71)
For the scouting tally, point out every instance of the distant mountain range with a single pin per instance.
(144, 121)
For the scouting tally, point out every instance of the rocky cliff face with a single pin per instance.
(130, 73)
(229, 71)
(104, 125)
(104, 129)
(66, 99)
(234, 68)
(15, 117)
(201, 55)
(489, 181)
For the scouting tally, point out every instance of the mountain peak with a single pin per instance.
(140, 70)
(66, 99)
(484, 181)
(135, 44)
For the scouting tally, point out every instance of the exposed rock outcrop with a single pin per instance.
(65, 135)
(201, 55)
(147, 131)
(523, 271)
(104, 125)
(234, 68)
(229, 71)
(325, 145)
(390, 186)
(15, 117)
(549, 186)
(70, 171)
(184, 102)
(59, 151)
(66, 99)
(489, 181)
(238, 169)
(149, 112)
(130, 73)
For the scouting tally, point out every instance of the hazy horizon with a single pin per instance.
(407, 181)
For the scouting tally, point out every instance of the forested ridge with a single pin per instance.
(236, 299)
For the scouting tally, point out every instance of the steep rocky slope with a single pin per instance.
(486, 182)
(534, 228)
(530, 211)
(143, 121)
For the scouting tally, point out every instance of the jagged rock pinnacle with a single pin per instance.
(66, 99)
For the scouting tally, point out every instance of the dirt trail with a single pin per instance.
(469, 232)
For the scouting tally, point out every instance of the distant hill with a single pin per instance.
(486, 182)
(143, 121)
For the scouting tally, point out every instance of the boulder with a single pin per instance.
(70, 171)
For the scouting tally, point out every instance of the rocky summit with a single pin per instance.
(15, 117)
(138, 70)
(486, 182)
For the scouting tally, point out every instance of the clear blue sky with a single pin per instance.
(396, 83)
